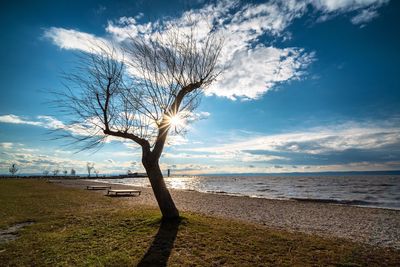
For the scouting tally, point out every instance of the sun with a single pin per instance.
(176, 121)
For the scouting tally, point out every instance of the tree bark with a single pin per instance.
(160, 190)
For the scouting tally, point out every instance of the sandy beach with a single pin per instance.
(378, 227)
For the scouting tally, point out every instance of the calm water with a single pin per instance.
(361, 190)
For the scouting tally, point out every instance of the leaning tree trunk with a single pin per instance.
(160, 190)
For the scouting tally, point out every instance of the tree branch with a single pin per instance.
(142, 142)
(172, 111)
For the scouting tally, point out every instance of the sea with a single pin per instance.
(378, 191)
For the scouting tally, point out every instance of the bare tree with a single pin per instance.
(141, 92)
(46, 172)
(73, 172)
(96, 171)
(65, 172)
(13, 169)
(89, 167)
(56, 172)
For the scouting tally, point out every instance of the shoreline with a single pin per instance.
(372, 226)
(310, 200)
(223, 193)
(351, 203)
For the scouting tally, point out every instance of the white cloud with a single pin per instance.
(253, 72)
(199, 115)
(176, 140)
(6, 145)
(14, 119)
(127, 27)
(51, 123)
(252, 68)
(70, 39)
(364, 16)
(233, 156)
(223, 156)
(345, 5)
(47, 122)
(314, 141)
(73, 39)
(367, 9)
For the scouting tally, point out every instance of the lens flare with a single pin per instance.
(176, 121)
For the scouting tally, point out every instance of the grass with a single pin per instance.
(79, 228)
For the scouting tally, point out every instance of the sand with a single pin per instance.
(373, 226)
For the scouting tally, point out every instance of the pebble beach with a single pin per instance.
(372, 226)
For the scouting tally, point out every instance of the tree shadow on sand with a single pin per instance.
(160, 249)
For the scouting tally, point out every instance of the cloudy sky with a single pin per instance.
(309, 85)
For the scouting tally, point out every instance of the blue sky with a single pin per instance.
(311, 85)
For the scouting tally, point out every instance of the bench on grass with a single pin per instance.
(98, 187)
(125, 192)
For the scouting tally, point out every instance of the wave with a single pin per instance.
(266, 190)
(216, 192)
(386, 185)
(355, 202)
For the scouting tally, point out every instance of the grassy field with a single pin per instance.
(79, 228)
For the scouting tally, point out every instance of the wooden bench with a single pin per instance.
(117, 192)
(98, 187)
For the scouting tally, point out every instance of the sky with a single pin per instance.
(308, 86)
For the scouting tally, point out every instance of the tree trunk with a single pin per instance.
(160, 190)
